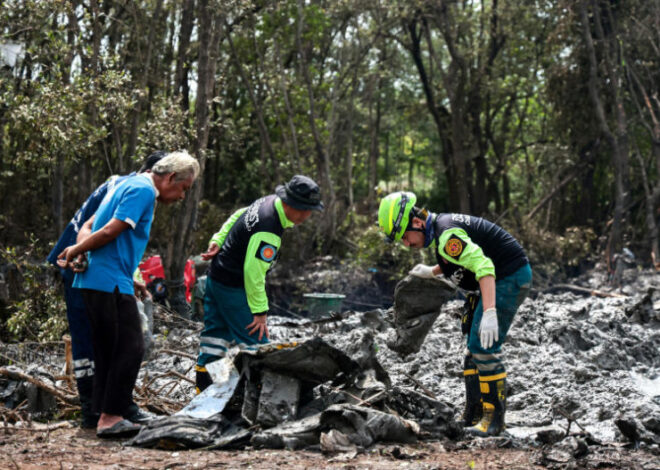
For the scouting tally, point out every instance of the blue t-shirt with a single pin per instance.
(112, 265)
(83, 214)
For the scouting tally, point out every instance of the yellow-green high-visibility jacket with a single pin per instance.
(468, 248)
(249, 244)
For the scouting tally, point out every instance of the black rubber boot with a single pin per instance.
(473, 408)
(493, 395)
(202, 379)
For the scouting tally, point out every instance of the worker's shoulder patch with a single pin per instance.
(455, 246)
(266, 252)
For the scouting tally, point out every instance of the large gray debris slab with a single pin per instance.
(314, 361)
(278, 400)
(359, 426)
(183, 432)
(417, 304)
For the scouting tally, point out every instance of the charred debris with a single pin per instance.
(584, 377)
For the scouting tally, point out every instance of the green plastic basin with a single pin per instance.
(321, 304)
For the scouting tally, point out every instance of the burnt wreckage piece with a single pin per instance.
(297, 396)
(417, 304)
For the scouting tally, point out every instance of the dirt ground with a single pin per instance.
(64, 446)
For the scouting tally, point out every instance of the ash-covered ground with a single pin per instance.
(589, 361)
(584, 384)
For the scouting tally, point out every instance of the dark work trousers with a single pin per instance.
(118, 348)
(81, 337)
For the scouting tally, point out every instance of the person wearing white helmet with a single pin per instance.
(487, 263)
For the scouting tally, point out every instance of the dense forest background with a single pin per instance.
(542, 115)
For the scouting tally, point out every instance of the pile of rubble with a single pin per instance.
(583, 371)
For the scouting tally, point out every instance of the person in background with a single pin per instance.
(480, 258)
(119, 234)
(242, 252)
(79, 329)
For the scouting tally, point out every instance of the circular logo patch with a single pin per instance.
(267, 252)
(454, 247)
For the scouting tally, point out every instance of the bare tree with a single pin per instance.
(210, 26)
(609, 86)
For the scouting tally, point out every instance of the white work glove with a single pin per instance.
(423, 271)
(488, 329)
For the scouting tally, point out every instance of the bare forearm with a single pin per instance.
(101, 237)
(487, 287)
(85, 231)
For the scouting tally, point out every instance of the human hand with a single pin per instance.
(258, 325)
(65, 259)
(422, 271)
(211, 251)
(140, 290)
(79, 264)
(488, 328)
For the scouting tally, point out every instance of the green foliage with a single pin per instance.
(209, 220)
(92, 90)
(167, 129)
(571, 249)
(394, 260)
(39, 313)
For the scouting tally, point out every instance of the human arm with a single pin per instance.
(86, 230)
(101, 237)
(488, 327)
(219, 238)
(457, 247)
(487, 288)
(261, 252)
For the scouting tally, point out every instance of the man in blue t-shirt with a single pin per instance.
(79, 329)
(119, 235)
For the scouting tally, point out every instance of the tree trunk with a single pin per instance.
(374, 147)
(281, 79)
(322, 161)
(142, 81)
(618, 141)
(178, 247)
(58, 192)
(182, 63)
(258, 108)
(440, 115)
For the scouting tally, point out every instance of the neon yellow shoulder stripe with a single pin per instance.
(219, 238)
(256, 266)
(455, 246)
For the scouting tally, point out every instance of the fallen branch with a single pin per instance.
(426, 391)
(16, 375)
(178, 353)
(582, 290)
(42, 428)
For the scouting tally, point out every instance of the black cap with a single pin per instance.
(152, 160)
(301, 193)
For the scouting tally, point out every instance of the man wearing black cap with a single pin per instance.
(242, 252)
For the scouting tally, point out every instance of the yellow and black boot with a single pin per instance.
(493, 396)
(473, 409)
(202, 379)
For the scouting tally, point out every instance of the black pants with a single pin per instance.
(118, 348)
